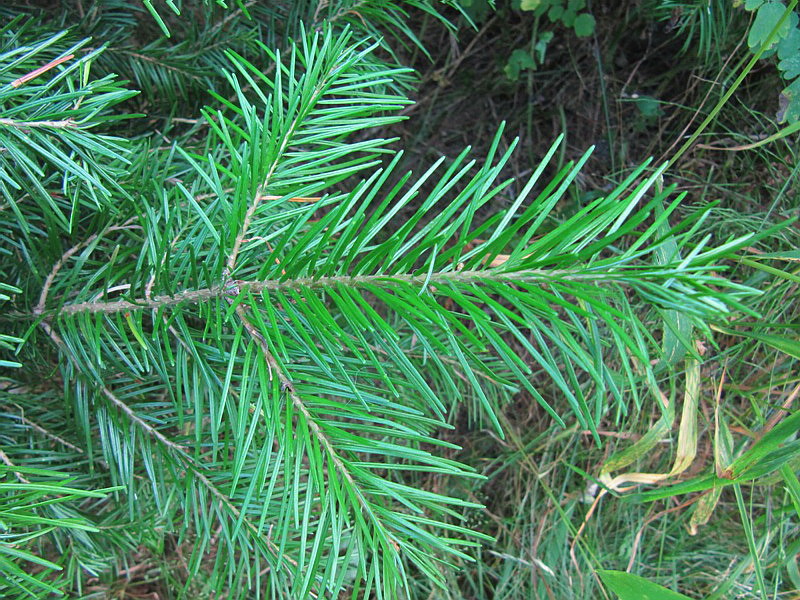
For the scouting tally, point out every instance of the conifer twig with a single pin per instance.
(4, 457)
(530, 276)
(261, 192)
(48, 282)
(61, 124)
(313, 426)
(177, 449)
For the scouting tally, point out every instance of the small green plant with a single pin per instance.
(705, 25)
(776, 24)
(773, 33)
(564, 12)
(567, 12)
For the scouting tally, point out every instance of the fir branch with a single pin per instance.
(176, 450)
(306, 407)
(124, 408)
(9, 463)
(64, 124)
(275, 368)
(38, 428)
(531, 276)
(261, 192)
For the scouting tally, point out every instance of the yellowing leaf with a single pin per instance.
(530, 4)
(703, 510)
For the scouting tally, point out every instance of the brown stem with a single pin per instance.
(535, 276)
(44, 432)
(65, 124)
(48, 282)
(4, 457)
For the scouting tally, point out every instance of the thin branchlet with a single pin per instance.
(357, 281)
(176, 450)
(62, 124)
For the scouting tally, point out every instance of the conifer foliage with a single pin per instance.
(234, 331)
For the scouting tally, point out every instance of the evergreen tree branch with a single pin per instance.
(65, 124)
(631, 279)
(124, 408)
(48, 282)
(285, 424)
(276, 369)
(176, 450)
